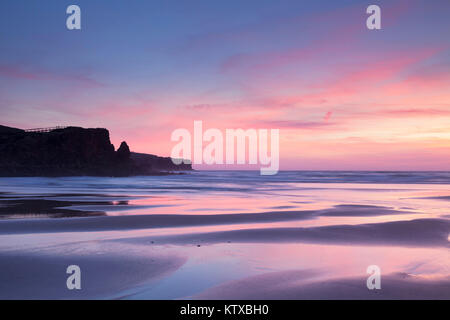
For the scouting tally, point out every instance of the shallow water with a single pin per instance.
(330, 224)
(224, 192)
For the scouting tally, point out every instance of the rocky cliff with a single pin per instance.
(73, 151)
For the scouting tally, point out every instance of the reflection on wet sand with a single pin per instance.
(227, 235)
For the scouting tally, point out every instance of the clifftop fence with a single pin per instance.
(44, 130)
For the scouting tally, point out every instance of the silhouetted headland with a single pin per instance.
(74, 151)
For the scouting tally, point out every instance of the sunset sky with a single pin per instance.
(344, 97)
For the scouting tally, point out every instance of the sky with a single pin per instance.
(344, 97)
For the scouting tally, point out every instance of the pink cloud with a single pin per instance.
(327, 116)
(16, 72)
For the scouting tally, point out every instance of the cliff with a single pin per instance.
(148, 161)
(74, 151)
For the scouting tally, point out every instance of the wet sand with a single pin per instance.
(106, 271)
(174, 220)
(211, 236)
(415, 233)
(295, 285)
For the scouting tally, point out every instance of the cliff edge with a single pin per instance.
(74, 151)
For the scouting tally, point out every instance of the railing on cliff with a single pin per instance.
(44, 130)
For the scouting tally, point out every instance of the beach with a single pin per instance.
(227, 235)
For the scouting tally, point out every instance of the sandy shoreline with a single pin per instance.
(307, 244)
(299, 284)
(414, 233)
(130, 222)
(106, 271)
(120, 268)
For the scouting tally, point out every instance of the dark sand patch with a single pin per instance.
(446, 198)
(168, 220)
(64, 205)
(105, 272)
(413, 233)
(292, 285)
(282, 207)
(357, 210)
(44, 208)
(117, 206)
(144, 222)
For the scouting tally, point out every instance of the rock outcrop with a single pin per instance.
(73, 151)
(123, 153)
(143, 162)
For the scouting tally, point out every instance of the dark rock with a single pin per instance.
(151, 162)
(73, 151)
(9, 130)
(123, 153)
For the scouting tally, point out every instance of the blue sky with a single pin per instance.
(144, 68)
